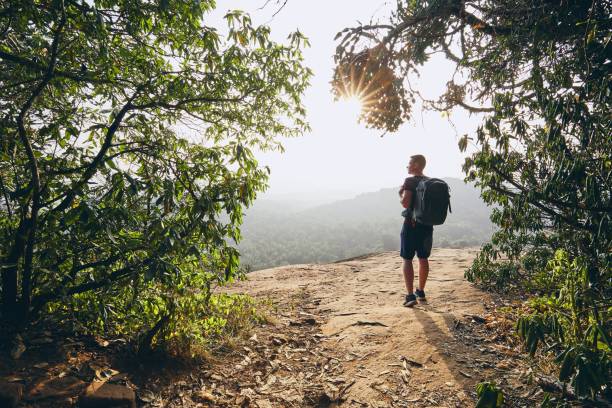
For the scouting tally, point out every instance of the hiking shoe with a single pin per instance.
(420, 295)
(410, 300)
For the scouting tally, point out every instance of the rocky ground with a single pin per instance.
(337, 335)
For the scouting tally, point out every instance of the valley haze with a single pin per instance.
(323, 227)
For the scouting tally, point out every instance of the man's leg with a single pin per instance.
(423, 252)
(423, 272)
(408, 275)
(407, 252)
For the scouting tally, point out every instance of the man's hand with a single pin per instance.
(401, 190)
(406, 198)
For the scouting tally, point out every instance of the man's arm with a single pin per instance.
(406, 198)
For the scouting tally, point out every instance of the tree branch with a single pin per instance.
(542, 207)
(474, 109)
(458, 10)
(93, 166)
(41, 300)
(181, 103)
(550, 200)
(41, 68)
(34, 169)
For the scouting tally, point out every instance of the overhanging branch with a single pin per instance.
(41, 68)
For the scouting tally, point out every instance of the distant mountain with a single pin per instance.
(281, 233)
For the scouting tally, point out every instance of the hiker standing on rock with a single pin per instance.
(426, 201)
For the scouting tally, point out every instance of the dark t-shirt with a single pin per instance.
(411, 184)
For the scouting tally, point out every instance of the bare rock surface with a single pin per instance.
(377, 353)
(101, 394)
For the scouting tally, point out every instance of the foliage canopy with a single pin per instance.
(127, 129)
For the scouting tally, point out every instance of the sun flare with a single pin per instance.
(360, 92)
(351, 106)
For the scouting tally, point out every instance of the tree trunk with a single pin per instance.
(10, 271)
(9, 292)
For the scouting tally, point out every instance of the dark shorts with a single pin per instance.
(417, 239)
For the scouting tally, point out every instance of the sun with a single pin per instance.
(359, 92)
(351, 107)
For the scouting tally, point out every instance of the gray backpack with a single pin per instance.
(432, 201)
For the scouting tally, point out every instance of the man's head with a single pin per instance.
(417, 164)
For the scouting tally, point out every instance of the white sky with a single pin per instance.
(339, 157)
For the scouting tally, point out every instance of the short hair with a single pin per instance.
(420, 160)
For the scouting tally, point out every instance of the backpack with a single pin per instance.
(432, 201)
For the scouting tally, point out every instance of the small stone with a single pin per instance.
(41, 340)
(248, 393)
(207, 396)
(146, 396)
(216, 377)
(58, 387)
(264, 403)
(14, 378)
(102, 343)
(17, 347)
(101, 394)
(10, 394)
(308, 320)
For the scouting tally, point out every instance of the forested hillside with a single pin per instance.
(275, 234)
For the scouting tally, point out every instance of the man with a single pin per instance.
(415, 238)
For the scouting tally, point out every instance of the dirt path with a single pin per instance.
(387, 354)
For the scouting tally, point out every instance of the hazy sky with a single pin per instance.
(340, 157)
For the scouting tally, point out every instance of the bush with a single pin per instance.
(490, 272)
(573, 322)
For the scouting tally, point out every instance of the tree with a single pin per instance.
(127, 130)
(539, 74)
